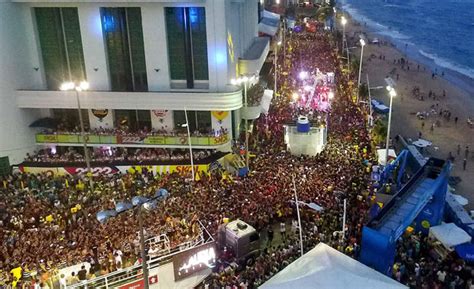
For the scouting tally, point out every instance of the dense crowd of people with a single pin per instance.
(114, 155)
(125, 131)
(48, 222)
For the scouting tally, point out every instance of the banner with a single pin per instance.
(183, 170)
(143, 140)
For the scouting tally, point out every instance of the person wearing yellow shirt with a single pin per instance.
(16, 273)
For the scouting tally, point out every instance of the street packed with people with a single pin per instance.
(49, 222)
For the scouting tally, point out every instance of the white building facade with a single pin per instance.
(147, 62)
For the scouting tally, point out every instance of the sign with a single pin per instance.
(100, 113)
(182, 170)
(194, 260)
(161, 113)
(145, 140)
(139, 284)
(155, 140)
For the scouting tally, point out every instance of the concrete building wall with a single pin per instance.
(17, 69)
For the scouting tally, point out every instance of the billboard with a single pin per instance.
(194, 260)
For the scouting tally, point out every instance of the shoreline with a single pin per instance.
(411, 51)
(380, 61)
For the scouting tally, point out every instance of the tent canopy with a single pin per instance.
(326, 268)
(450, 235)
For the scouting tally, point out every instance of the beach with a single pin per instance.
(381, 61)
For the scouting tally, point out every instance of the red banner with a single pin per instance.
(139, 284)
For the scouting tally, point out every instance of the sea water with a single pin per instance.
(440, 34)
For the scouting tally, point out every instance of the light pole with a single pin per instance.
(362, 44)
(83, 85)
(245, 80)
(392, 93)
(298, 214)
(344, 41)
(142, 248)
(276, 68)
(189, 143)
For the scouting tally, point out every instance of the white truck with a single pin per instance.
(241, 238)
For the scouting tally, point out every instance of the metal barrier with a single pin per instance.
(134, 273)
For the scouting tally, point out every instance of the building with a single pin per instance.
(146, 63)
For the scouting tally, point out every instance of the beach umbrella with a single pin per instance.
(103, 216)
(123, 206)
(161, 193)
(138, 200)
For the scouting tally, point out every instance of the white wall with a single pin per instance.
(16, 70)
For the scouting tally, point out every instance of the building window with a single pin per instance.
(61, 46)
(198, 121)
(123, 35)
(187, 46)
(133, 119)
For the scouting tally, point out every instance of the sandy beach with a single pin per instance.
(442, 131)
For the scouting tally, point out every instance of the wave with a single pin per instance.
(445, 63)
(395, 6)
(379, 28)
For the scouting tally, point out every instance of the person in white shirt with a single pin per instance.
(283, 231)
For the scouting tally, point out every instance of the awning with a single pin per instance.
(450, 235)
(326, 268)
(269, 23)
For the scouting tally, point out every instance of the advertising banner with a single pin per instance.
(155, 140)
(183, 170)
(194, 260)
(145, 140)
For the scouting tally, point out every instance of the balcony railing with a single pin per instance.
(152, 140)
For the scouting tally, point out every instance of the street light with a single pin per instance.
(362, 44)
(344, 41)
(392, 93)
(238, 81)
(189, 142)
(83, 85)
(276, 70)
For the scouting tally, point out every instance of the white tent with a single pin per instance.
(450, 235)
(326, 268)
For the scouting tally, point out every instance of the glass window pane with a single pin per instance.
(74, 43)
(197, 17)
(204, 121)
(50, 34)
(115, 34)
(137, 48)
(176, 42)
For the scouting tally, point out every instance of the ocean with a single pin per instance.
(439, 34)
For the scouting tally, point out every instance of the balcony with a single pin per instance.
(197, 142)
(253, 59)
(176, 100)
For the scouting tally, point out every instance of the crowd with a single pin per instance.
(49, 221)
(126, 131)
(115, 154)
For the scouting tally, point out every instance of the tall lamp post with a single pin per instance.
(245, 80)
(392, 93)
(344, 41)
(189, 143)
(83, 85)
(276, 68)
(362, 44)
